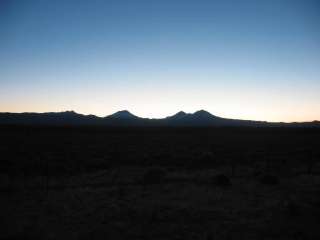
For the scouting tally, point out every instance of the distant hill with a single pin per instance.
(125, 118)
(123, 115)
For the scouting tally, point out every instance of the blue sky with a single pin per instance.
(246, 59)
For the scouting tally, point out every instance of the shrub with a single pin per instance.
(221, 180)
(292, 209)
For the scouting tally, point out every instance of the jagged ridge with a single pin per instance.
(125, 118)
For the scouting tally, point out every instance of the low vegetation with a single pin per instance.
(159, 183)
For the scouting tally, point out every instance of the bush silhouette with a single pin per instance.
(221, 180)
(292, 209)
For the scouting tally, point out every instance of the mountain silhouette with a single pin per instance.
(124, 114)
(203, 114)
(201, 117)
(125, 118)
(177, 116)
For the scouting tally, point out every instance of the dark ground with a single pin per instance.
(159, 183)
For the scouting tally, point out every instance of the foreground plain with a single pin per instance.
(159, 183)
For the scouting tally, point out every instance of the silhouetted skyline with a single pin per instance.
(249, 59)
(200, 118)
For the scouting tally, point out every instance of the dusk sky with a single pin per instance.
(247, 59)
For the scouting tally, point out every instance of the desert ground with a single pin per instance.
(159, 183)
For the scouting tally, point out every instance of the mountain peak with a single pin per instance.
(202, 113)
(178, 115)
(181, 112)
(71, 112)
(124, 114)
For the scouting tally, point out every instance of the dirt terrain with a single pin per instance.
(159, 183)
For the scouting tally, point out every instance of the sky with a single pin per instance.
(248, 59)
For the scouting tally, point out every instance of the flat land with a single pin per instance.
(159, 183)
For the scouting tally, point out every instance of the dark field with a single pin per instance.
(159, 183)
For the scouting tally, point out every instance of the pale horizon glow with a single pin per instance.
(234, 59)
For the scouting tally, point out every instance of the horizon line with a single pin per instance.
(125, 110)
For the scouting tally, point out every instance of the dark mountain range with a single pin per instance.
(125, 118)
(123, 115)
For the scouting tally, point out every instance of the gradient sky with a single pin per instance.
(246, 59)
